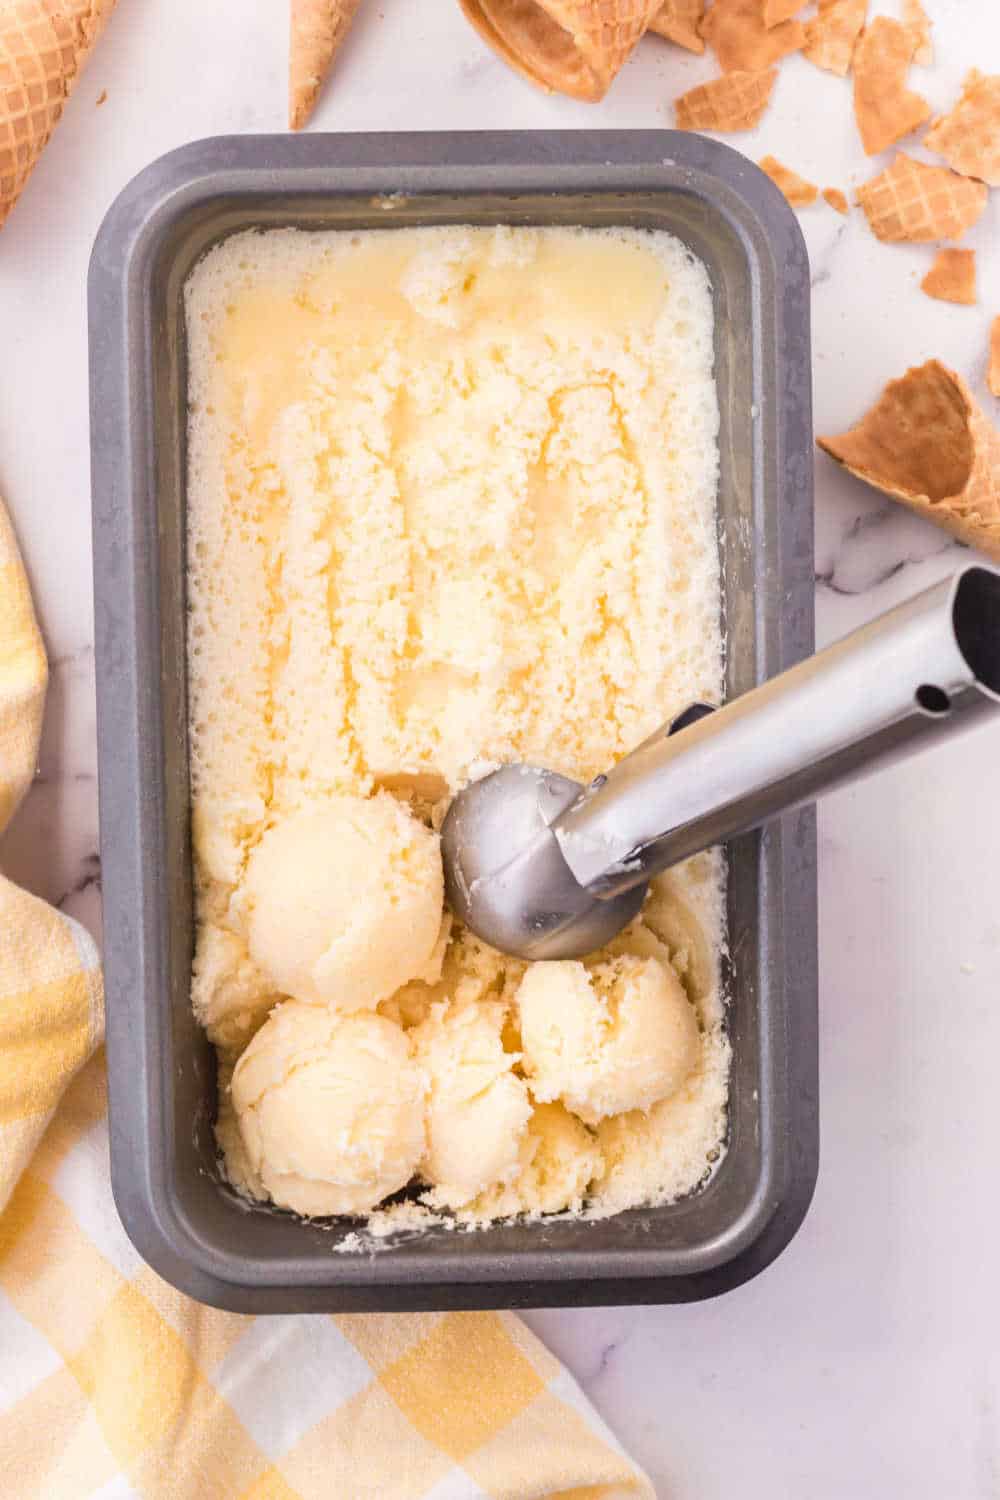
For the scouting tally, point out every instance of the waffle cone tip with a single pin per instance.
(44, 44)
(317, 29)
(575, 47)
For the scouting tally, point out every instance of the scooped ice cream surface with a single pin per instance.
(343, 904)
(617, 1036)
(477, 1108)
(330, 1109)
(558, 1159)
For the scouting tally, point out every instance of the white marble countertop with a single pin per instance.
(866, 1361)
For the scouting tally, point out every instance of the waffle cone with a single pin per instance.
(798, 190)
(918, 24)
(776, 11)
(884, 107)
(736, 32)
(43, 46)
(968, 137)
(678, 21)
(915, 202)
(832, 35)
(731, 102)
(952, 277)
(573, 46)
(316, 30)
(927, 443)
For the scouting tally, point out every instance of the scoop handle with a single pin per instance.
(926, 669)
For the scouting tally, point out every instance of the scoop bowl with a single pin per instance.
(505, 875)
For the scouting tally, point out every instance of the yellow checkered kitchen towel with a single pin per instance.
(113, 1385)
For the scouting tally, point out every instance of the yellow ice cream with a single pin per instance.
(343, 904)
(451, 501)
(558, 1159)
(330, 1110)
(477, 1107)
(619, 1035)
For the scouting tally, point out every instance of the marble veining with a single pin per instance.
(880, 544)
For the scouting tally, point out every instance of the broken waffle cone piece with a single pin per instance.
(43, 46)
(573, 46)
(912, 201)
(832, 35)
(776, 11)
(678, 21)
(884, 107)
(968, 137)
(316, 30)
(952, 277)
(927, 443)
(918, 24)
(836, 199)
(734, 101)
(796, 189)
(736, 32)
(993, 369)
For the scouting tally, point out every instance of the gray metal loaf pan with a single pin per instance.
(191, 1228)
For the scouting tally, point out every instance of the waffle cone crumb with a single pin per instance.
(968, 137)
(678, 21)
(952, 277)
(926, 443)
(832, 35)
(732, 102)
(836, 199)
(912, 201)
(796, 189)
(737, 34)
(776, 11)
(918, 24)
(884, 107)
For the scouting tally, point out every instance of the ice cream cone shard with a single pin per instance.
(832, 35)
(776, 11)
(733, 101)
(885, 108)
(952, 277)
(737, 34)
(316, 30)
(573, 46)
(918, 23)
(798, 190)
(915, 202)
(927, 443)
(968, 137)
(43, 46)
(678, 22)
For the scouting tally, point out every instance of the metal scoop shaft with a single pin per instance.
(543, 872)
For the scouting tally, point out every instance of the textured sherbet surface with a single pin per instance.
(451, 502)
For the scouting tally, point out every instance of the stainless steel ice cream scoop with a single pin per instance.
(542, 867)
